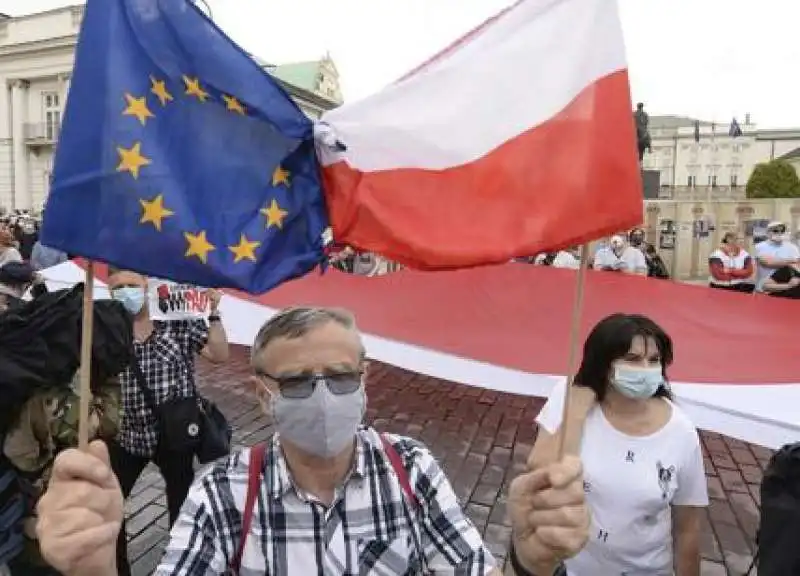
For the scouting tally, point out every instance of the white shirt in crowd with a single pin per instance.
(631, 482)
(631, 260)
(563, 259)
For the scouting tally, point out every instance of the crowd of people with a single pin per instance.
(626, 253)
(774, 269)
(19, 241)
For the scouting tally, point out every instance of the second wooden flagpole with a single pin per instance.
(87, 326)
(572, 346)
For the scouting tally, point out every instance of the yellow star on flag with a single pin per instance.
(154, 211)
(198, 246)
(244, 250)
(275, 214)
(137, 107)
(159, 88)
(193, 88)
(131, 159)
(280, 176)
(233, 104)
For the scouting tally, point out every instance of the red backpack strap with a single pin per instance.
(253, 485)
(399, 469)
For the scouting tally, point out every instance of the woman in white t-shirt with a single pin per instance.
(643, 467)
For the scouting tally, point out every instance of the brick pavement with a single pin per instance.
(482, 439)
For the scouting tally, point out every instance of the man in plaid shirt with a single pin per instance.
(330, 496)
(165, 352)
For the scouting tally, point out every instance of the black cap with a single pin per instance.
(17, 273)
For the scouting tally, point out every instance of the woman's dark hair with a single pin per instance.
(611, 340)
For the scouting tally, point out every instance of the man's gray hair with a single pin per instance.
(297, 322)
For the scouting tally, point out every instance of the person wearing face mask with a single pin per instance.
(325, 495)
(643, 467)
(774, 253)
(636, 239)
(617, 257)
(164, 354)
(654, 263)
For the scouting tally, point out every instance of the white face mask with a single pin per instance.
(322, 424)
(636, 382)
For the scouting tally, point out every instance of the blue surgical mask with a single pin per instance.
(636, 382)
(132, 297)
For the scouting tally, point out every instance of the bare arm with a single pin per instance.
(771, 286)
(775, 263)
(686, 539)
(216, 349)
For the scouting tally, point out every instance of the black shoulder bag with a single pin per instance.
(187, 424)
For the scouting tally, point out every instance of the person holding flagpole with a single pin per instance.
(324, 495)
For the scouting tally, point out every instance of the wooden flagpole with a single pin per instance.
(572, 346)
(86, 358)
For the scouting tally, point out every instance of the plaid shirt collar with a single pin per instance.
(279, 480)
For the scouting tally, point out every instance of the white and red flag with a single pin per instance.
(517, 139)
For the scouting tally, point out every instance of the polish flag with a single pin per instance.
(517, 139)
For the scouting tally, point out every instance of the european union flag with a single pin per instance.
(180, 157)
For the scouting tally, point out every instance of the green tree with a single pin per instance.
(775, 179)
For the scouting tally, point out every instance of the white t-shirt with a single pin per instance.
(630, 484)
(631, 260)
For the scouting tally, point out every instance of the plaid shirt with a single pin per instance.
(167, 362)
(369, 528)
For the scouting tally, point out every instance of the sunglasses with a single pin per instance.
(303, 386)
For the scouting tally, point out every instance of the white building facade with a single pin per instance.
(36, 60)
(36, 54)
(718, 165)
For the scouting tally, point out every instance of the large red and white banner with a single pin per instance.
(736, 371)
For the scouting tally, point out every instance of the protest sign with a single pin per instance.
(172, 301)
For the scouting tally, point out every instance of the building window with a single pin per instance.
(51, 102)
(734, 180)
(712, 180)
(692, 181)
(737, 147)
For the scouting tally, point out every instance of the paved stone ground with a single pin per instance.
(483, 439)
